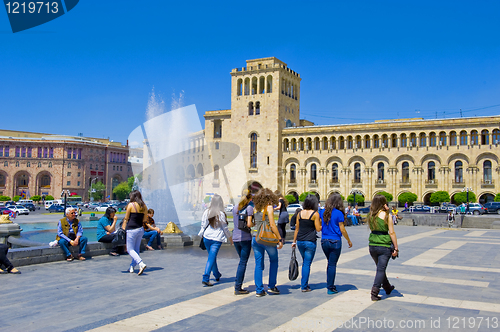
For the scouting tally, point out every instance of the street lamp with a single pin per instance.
(354, 192)
(90, 189)
(467, 189)
(64, 196)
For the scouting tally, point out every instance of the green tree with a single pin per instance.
(388, 196)
(207, 199)
(4, 198)
(496, 199)
(130, 182)
(407, 198)
(122, 190)
(16, 198)
(440, 197)
(36, 198)
(303, 196)
(97, 190)
(49, 198)
(290, 198)
(460, 198)
(359, 199)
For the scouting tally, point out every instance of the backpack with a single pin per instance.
(242, 220)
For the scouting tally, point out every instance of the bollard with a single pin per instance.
(92, 214)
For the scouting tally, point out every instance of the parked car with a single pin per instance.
(292, 207)
(93, 206)
(492, 207)
(4, 210)
(31, 206)
(229, 208)
(364, 209)
(19, 209)
(477, 209)
(122, 206)
(102, 208)
(56, 208)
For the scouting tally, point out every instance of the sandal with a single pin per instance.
(81, 258)
(70, 258)
(14, 271)
(114, 254)
(149, 248)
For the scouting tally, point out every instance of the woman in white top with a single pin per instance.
(214, 231)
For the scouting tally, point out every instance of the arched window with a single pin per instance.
(487, 172)
(283, 87)
(247, 86)
(22, 180)
(349, 142)
(367, 142)
(301, 144)
(394, 140)
(432, 139)
(376, 142)
(341, 142)
(254, 85)
(453, 138)
(45, 181)
(405, 174)
(385, 141)
(309, 144)
(313, 173)
(6, 163)
(253, 150)
(431, 171)
(380, 172)
(442, 138)
(473, 137)
(413, 140)
(495, 136)
(239, 87)
(216, 172)
(459, 177)
(269, 88)
(463, 137)
(403, 141)
(357, 172)
(316, 144)
(358, 142)
(423, 140)
(286, 145)
(293, 173)
(262, 85)
(333, 143)
(325, 143)
(335, 173)
(2, 180)
(250, 108)
(485, 137)
(257, 108)
(294, 144)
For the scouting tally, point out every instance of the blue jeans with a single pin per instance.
(381, 257)
(307, 250)
(152, 235)
(212, 249)
(258, 251)
(354, 220)
(243, 249)
(65, 246)
(332, 249)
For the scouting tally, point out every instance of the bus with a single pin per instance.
(74, 200)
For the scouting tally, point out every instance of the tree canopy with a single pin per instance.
(290, 198)
(407, 198)
(388, 196)
(460, 198)
(440, 197)
(36, 198)
(122, 190)
(97, 190)
(359, 199)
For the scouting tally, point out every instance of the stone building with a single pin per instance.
(281, 151)
(45, 164)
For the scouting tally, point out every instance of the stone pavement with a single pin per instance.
(445, 280)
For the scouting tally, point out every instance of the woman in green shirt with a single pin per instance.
(381, 239)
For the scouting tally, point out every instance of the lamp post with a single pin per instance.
(91, 190)
(467, 189)
(354, 192)
(64, 196)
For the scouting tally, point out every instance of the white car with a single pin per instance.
(292, 207)
(229, 208)
(102, 208)
(19, 209)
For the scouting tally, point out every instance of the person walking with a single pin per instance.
(214, 231)
(242, 239)
(135, 217)
(264, 201)
(381, 238)
(4, 261)
(283, 217)
(332, 229)
(308, 223)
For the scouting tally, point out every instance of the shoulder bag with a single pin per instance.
(293, 268)
(120, 237)
(202, 243)
(265, 235)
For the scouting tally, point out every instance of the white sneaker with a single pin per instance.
(131, 269)
(142, 267)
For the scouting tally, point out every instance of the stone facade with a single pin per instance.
(44, 164)
(281, 151)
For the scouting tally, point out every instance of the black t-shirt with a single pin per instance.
(283, 206)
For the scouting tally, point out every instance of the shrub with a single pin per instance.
(303, 196)
(359, 199)
(36, 198)
(440, 197)
(460, 198)
(388, 196)
(407, 198)
(497, 198)
(49, 198)
(290, 198)
(4, 198)
(16, 198)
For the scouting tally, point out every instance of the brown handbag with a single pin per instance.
(265, 235)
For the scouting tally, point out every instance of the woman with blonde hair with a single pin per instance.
(214, 231)
(264, 201)
(381, 238)
(242, 238)
(135, 216)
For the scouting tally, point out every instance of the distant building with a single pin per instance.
(45, 164)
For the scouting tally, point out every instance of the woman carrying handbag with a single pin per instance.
(267, 233)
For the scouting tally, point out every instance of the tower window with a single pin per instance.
(253, 150)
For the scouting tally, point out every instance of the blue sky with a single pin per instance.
(92, 70)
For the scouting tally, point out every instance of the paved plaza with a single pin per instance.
(445, 280)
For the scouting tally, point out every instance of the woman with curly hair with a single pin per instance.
(380, 241)
(331, 239)
(264, 201)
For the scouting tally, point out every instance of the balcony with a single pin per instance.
(380, 183)
(313, 184)
(292, 183)
(357, 183)
(487, 184)
(405, 184)
(458, 183)
(335, 183)
(431, 183)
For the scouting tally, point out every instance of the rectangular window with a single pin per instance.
(113, 167)
(69, 174)
(74, 153)
(6, 151)
(79, 153)
(1, 151)
(68, 183)
(29, 152)
(23, 152)
(69, 153)
(69, 165)
(102, 167)
(90, 166)
(218, 129)
(39, 152)
(18, 152)
(78, 183)
(121, 168)
(45, 152)
(79, 174)
(51, 153)
(79, 166)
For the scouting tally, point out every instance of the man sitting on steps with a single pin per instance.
(70, 232)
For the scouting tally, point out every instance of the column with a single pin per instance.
(323, 185)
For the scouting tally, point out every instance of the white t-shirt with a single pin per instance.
(220, 233)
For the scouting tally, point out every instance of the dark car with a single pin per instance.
(30, 206)
(122, 206)
(365, 209)
(492, 207)
(56, 208)
(4, 210)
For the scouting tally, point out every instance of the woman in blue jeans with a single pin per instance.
(214, 231)
(331, 240)
(242, 239)
(264, 201)
(308, 223)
